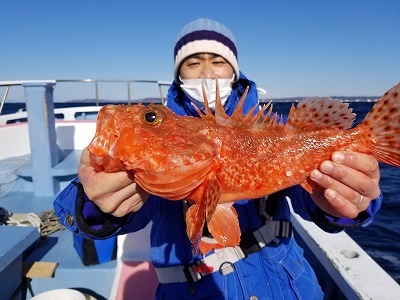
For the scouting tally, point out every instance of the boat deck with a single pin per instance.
(96, 280)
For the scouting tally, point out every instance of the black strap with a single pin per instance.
(280, 229)
(273, 205)
(107, 228)
(248, 244)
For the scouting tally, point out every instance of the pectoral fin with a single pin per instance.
(195, 217)
(212, 193)
(224, 225)
(206, 199)
(222, 219)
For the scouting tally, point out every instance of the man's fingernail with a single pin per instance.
(326, 166)
(316, 175)
(330, 194)
(338, 157)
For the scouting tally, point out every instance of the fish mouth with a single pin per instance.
(175, 183)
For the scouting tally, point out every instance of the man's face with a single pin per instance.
(205, 65)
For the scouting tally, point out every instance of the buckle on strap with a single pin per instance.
(198, 270)
(266, 234)
(191, 274)
(227, 257)
(270, 232)
(221, 260)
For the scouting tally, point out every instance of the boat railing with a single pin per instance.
(96, 82)
(47, 168)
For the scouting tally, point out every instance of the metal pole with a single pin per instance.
(97, 93)
(129, 92)
(4, 98)
(161, 94)
(42, 136)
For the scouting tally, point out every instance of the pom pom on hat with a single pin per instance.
(205, 35)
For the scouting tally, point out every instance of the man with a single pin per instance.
(106, 204)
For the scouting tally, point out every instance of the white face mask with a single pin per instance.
(193, 89)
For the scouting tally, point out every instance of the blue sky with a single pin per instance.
(290, 48)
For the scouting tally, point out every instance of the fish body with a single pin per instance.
(215, 160)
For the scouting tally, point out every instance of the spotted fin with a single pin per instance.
(382, 125)
(319, 113)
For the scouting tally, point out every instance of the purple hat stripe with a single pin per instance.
(205, 35)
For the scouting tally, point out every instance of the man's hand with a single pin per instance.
(114, 193)
(346, 184)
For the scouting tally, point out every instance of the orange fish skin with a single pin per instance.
(237, 157)
(264, 164)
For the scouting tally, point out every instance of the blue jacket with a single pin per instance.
(170, 245)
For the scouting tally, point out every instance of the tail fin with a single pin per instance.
(383, 122)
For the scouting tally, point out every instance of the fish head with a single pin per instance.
(160, 147)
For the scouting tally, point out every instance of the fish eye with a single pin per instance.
(152, 117)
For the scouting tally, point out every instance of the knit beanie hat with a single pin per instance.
(205, 36)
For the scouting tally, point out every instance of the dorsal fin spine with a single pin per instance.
(237, 114)
(250, 120)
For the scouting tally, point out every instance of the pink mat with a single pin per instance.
(138, 281)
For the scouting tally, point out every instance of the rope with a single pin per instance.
(50, 223)
(47, 222)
